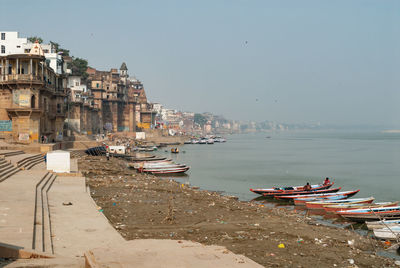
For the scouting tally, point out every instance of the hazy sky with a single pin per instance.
(334, 62)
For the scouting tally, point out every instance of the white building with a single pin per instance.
(77, 88)
(11, 43)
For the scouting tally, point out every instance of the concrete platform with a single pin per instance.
(146, 253)
(17, 203)
(80, 226)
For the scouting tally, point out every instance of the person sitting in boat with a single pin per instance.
(327, 181)
(307, 187)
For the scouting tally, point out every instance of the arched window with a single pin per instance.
(33, 100)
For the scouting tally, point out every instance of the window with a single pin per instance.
(18, 46)
(3, 36)
(76, 83)
(58, 108)
(3, 49)
(97, 85)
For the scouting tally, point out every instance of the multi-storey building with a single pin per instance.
(31, 97)
(122, 102)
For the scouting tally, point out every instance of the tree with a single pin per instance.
(33, 39)
(58, 48)
(79, 67)
(200, 119)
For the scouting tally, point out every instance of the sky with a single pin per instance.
(333, 62)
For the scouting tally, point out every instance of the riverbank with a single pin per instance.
(144, 206)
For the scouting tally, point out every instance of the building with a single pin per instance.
(122, 102)
(11, 43)
(32, 97)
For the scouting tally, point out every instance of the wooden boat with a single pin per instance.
(370, 214)
(291, 189)
(302, 200)
(321, 204)
(145, 159)
(174, 150)
(382, 224)
(166, 170)
(390, 234)
(167, 165)
(290, 195)
(337, 207)
(96, 151)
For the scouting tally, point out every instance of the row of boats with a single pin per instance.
(382, 217)
(158, 165)
(205, 140)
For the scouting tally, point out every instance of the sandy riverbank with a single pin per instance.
(144, 206)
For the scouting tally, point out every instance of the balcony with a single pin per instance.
(21, 79)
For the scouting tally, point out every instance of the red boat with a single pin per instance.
(291, 195)
(320, 204)
(338, 207)
(290, 189)
(303, 199)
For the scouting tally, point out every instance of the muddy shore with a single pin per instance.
(145, 206)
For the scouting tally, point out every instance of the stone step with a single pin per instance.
(51, 262)
(23, 162)
(33, 162)
(6, 167)
(9, 173)
(38, 242)
(4, 163)
(47, 228)
(11, 153)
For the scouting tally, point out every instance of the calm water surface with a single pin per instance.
(366, 161)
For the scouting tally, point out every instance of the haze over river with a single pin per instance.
(369, 161)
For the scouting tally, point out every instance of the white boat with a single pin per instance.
(381, 224)
(385, 233)
(210, 141)
(203, 141)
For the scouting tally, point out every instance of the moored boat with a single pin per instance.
(365, 214)
(321, 204)
(337, 207)
(382, 224)
(291, 189)
(165, 170)
(290, 195)
(391, 233)
(301, 200)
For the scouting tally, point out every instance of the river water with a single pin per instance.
(369, 161)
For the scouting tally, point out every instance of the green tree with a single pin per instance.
(33, 39)
(58, 48)
(200, 119)
(79, 67)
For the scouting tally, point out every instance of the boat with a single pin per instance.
(391, 233)
(203, 141)
(210, 141)
(174, 150)
(321, 204)
(145, 159)
(293, 189)
(96, 151)
(290, 195)
(160, 165)
(370, 214)
(301, 200)
(165, 170)
(381, 224)
(337, 207)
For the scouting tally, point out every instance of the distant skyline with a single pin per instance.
(334, 62)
